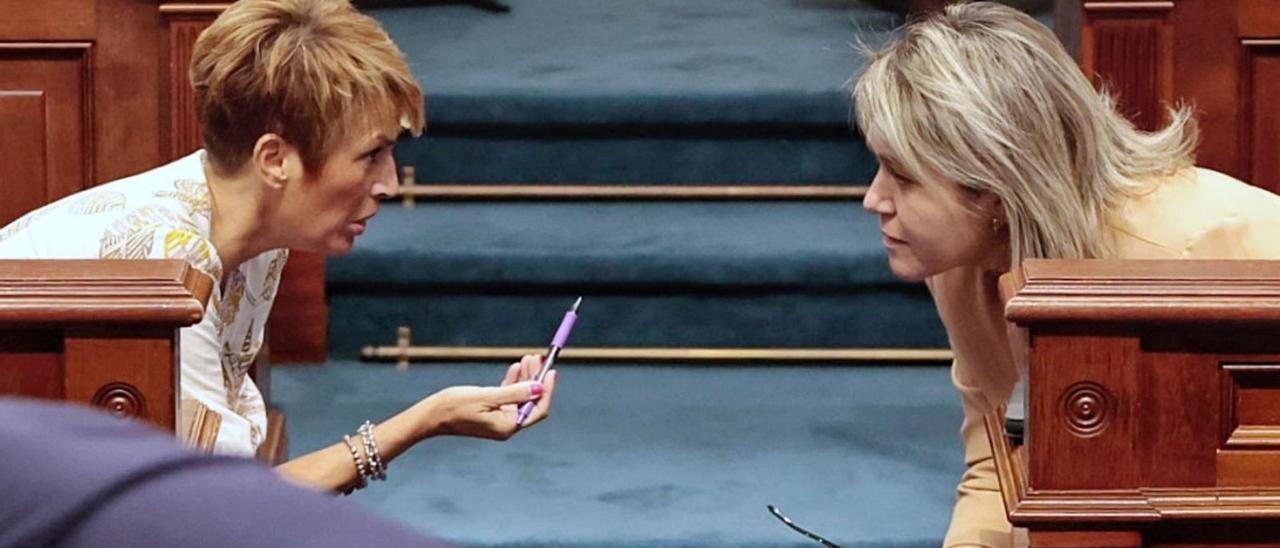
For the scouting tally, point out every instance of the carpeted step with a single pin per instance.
(675, 92)
(687, 274)
(664, 92)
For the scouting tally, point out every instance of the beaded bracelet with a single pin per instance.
(361, 471)
(377, 468)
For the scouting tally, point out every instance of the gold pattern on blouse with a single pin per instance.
(274, 271)
(132, 236)
(192, 247)
(192, 194)
(98, 202)
(233, 294)
(235, 366)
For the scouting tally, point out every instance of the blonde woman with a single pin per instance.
(300, 102)
(994, 148)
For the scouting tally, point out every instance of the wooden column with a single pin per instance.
(183, 23)
(1127, 47)
(1258, 43)
(1153, 413)
(103, 333)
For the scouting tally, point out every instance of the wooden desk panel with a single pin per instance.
(98, 332)
(31, 363)
(1154, 403)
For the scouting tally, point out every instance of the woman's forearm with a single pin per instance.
(334, 469)
(474, 411)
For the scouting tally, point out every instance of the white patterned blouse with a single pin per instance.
(164, 213)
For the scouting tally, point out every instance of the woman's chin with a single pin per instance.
(339, 248)
(908, 271)
(340, 244)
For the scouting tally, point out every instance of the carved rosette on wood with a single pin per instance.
(1086, 408)
(122, 400)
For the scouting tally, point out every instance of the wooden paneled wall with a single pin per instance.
(1143, 75)
(46, 108)
(77, 99)
(1221, 56)
(46, 103)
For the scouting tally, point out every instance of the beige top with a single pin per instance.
(1199, 214)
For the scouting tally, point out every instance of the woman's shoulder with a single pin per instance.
(1200, 213)
(168, 187)
(179, 184)
(122, 218)
(1221, 184)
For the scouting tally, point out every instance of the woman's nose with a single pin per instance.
(877, 200)
(388, 183)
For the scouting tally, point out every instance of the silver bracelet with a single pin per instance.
(377, 468)
(361, 471)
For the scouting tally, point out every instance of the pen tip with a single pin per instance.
(576, 304)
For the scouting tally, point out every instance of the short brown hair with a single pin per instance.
(295, 68)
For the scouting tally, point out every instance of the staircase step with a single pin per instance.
(821, 156)
(638, 317)
(799, 245)
(664, 62)
(600, 92)
(691, 274)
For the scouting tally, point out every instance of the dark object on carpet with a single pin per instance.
(1014, 428)
(487, 5)
(807, 533)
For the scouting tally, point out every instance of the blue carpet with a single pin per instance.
(753, 274)
(662, 456)
(657, 62)
(722, 244)
(654, 92)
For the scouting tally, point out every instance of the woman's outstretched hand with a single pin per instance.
(480, 412)
(490, 411)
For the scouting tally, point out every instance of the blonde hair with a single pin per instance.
(296, 68)
(985, 96)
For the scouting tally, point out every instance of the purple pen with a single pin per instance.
(557, 342)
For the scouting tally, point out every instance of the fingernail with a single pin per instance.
(535, 389)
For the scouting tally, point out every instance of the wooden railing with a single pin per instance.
(103, 333)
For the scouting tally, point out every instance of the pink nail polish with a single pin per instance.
(535, 389)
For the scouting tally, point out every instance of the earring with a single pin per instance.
(996, 225)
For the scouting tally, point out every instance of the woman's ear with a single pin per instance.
(993, 209)
(275, 161)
